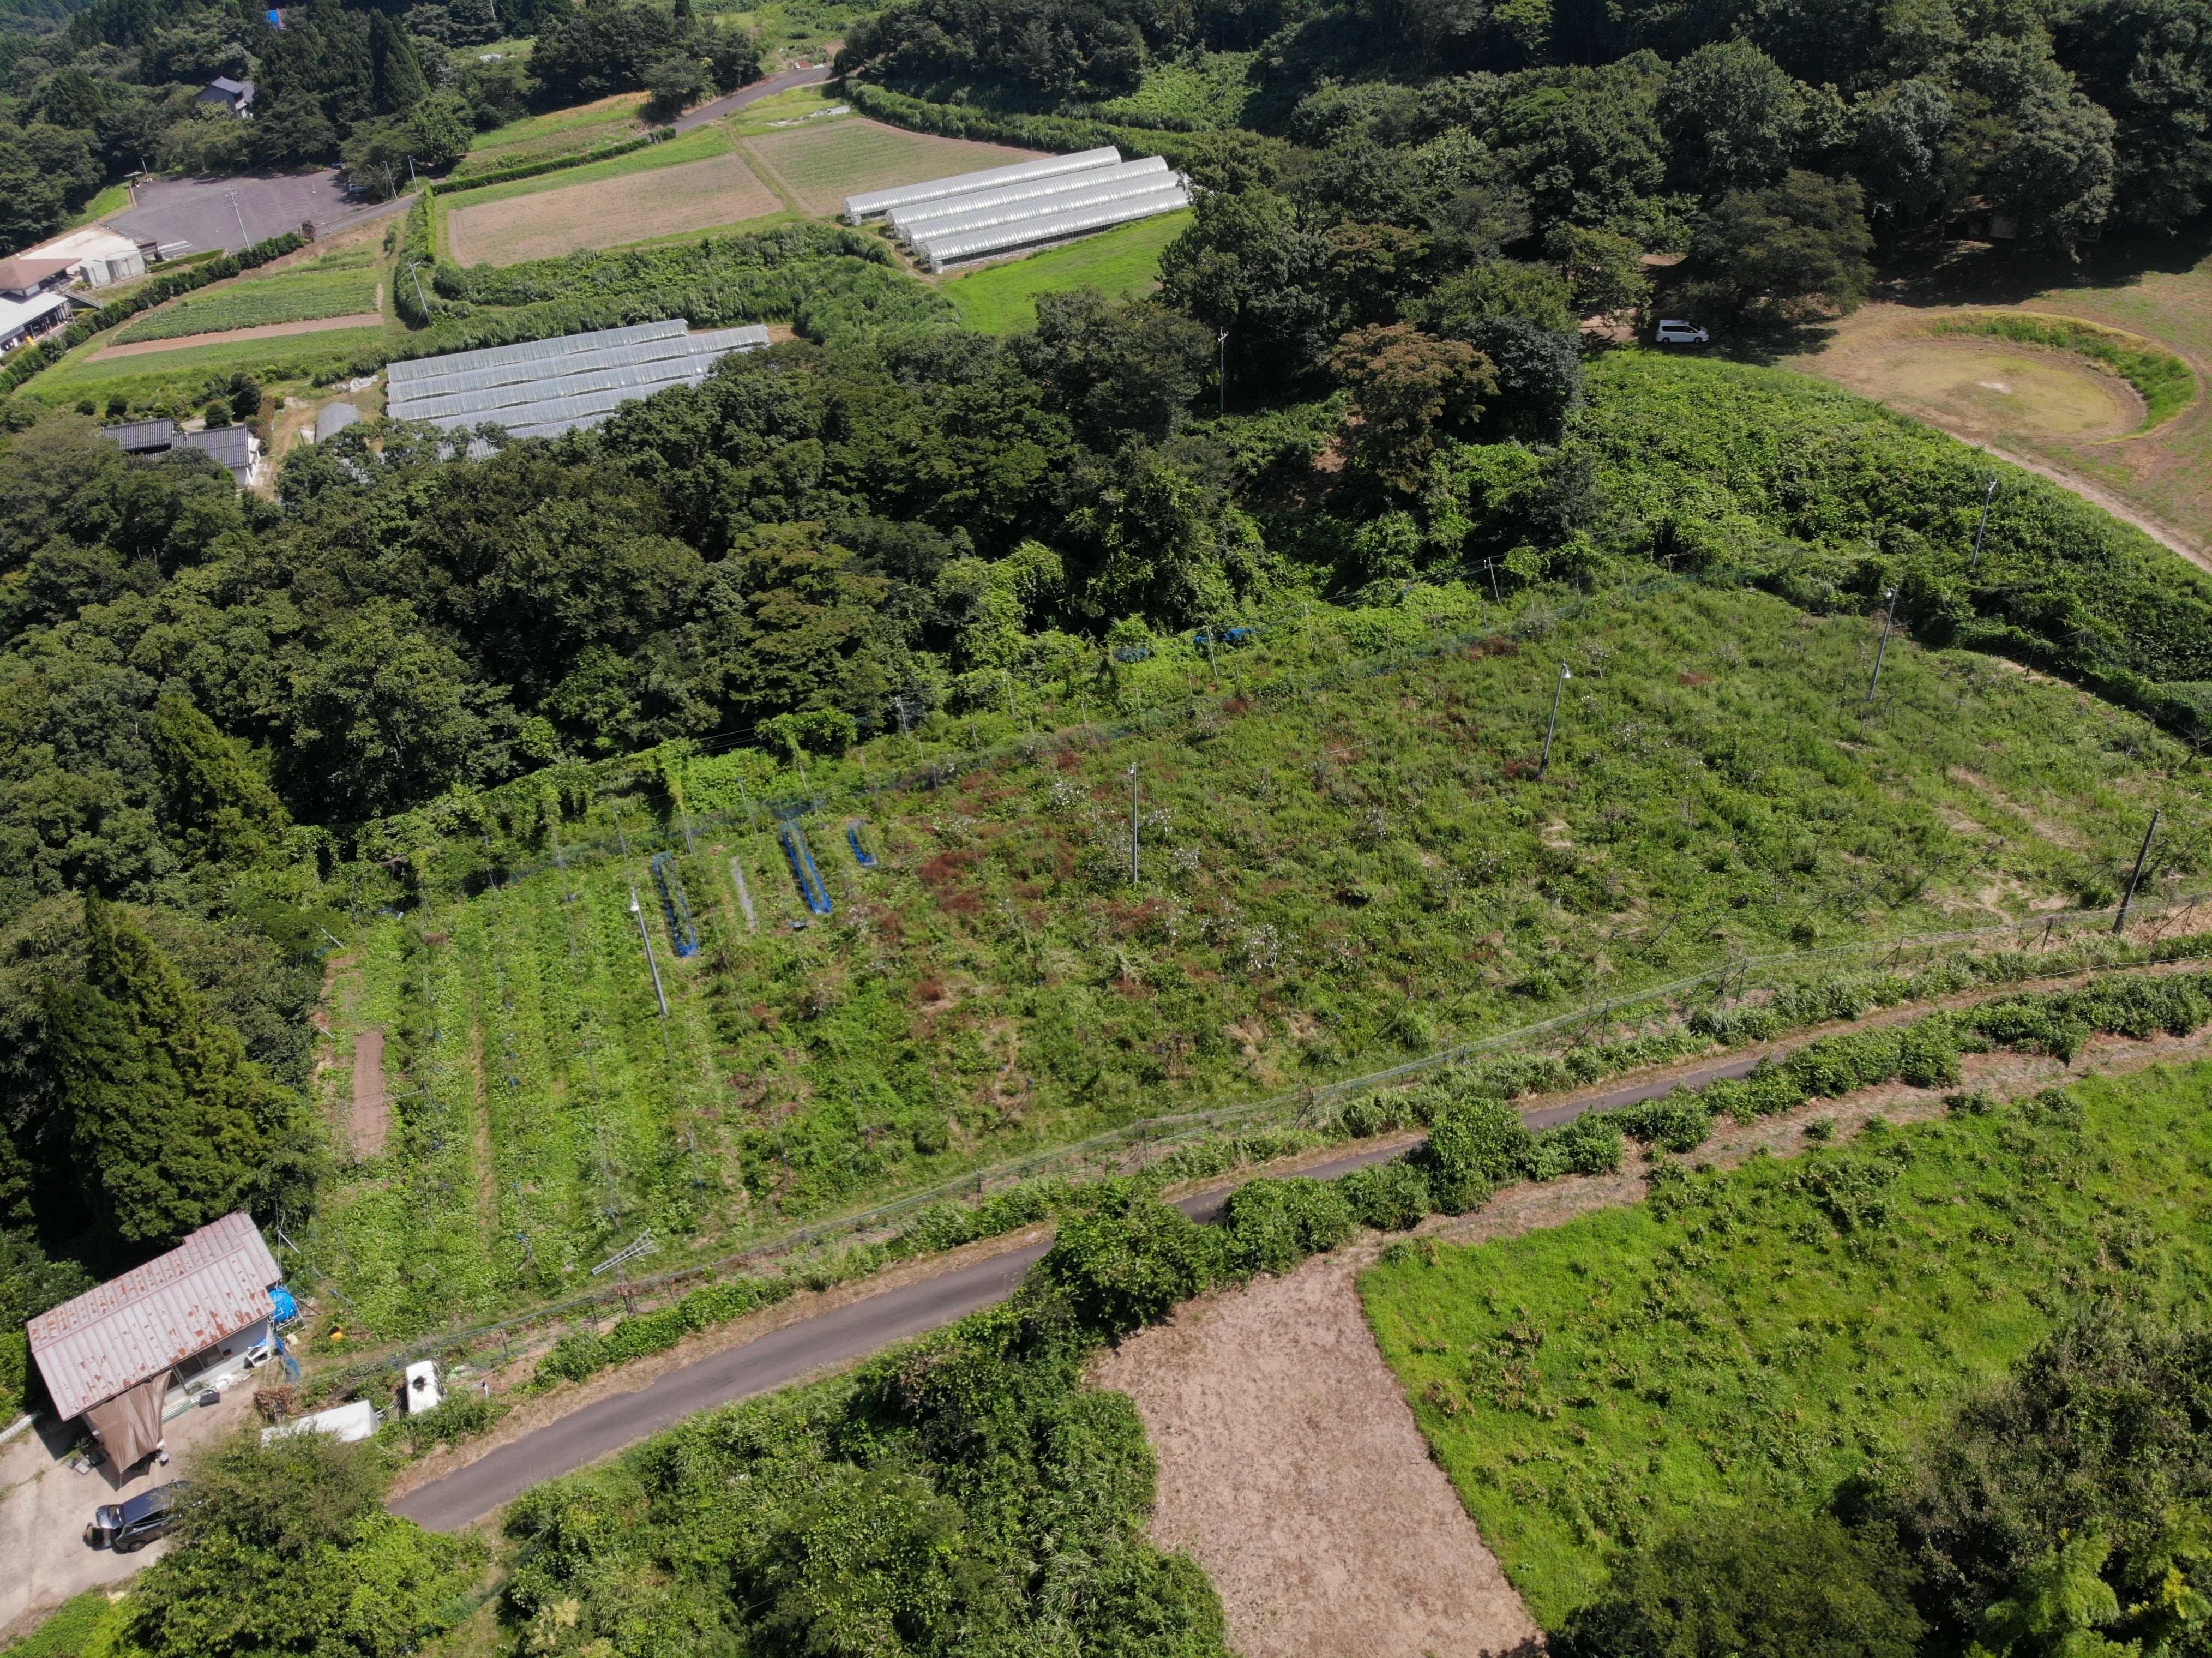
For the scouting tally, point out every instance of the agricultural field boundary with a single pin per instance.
(1156, 1136)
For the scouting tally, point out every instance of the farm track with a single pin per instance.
(602, 1421)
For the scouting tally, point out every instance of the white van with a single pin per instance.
(1672, 330)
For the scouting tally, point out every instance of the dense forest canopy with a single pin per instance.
(2069, 120)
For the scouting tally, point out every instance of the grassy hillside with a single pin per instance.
(1123, 264)
(1334, 877)
(1759, 1336)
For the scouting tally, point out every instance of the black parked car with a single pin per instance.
(124, 1526)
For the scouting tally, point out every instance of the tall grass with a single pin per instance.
(1768, 1334)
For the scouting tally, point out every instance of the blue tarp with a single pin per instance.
(286, 1308)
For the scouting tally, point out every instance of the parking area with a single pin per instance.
(45, 1506)
(190, 216)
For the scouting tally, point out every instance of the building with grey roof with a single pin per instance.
(333, 418)
(546, 387)
(234, 446)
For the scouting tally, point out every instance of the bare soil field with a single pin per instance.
(2055, 422)
(611, 212)
(1291, 1469)
(372, 1106)
(822, 165)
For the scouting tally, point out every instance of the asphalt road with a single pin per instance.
(838, 1337)
(190, 216)
(736, 100)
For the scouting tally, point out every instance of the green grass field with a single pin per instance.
(608, 120)
(176, 375)
(694, 146)
(1760, 1336)
(1122, 263)
(800, 104)
(833, 160)
(301, 295)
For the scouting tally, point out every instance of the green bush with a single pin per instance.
(1130, 1263)
(1474, 1149)
(1590, 1144)
(1390, 1197)
(1271, 1226)
(1780, 1586)
(1681, 1122)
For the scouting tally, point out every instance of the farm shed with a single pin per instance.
(546, 387)
(96, 254)
(235, 447)
(118, 1356)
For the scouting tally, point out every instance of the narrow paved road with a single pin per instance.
(841, 1336)
(736, 100)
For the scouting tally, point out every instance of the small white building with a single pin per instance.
(97, 256)
(121, 1355)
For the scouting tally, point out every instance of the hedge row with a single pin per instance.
(555, 163)
(31, 359)
(1207, 156)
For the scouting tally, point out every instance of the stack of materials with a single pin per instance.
(546, 387)
(974, 215)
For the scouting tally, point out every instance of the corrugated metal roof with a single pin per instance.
(577, 390)
(950, 250)
(1121, 184)
(213, 1285)
(424, 368)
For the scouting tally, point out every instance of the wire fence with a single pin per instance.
(1155, 1137)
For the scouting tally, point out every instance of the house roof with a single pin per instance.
(224, 83)
(21, 314)
(26, 271)
(93, 242)
(140, 437)
(334, 418)
(213, 1285)
(233, 445)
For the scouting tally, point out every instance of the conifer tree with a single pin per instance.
(171, 1125)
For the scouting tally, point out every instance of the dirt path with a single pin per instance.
(1292, 1469)
(267, 330)
(2096, 494)
(371, 1106)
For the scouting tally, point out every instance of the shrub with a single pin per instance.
(1130, 1263)
(1271, 1226)
(1590, 1144)
(1747, 1587)
(1390, 1197)
(1472, 1149)
(1680, 1122)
